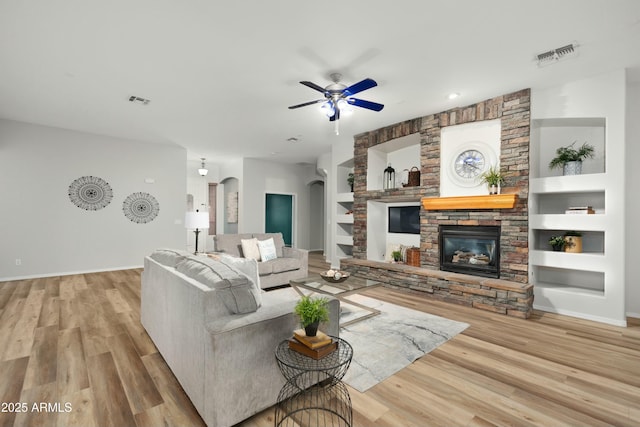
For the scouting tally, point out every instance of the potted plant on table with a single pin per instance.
(570, 158)
(493, 178)
(312, 311)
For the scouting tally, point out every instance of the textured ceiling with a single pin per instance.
(220, 75)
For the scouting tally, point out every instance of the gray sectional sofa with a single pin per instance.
(217, 330)
(291, 263)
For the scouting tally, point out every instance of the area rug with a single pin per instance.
(384, 344)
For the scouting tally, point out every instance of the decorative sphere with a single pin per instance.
(337, 276)
(330, 273)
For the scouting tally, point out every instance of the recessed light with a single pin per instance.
(293, 139)
(453, 95)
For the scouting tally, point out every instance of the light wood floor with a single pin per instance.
(76, 342)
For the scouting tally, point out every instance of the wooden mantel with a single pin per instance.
(493, 201)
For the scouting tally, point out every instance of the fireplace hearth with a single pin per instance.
(471, 250)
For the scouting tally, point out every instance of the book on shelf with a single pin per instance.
(320, 340)
(580, 210)
(314, 353)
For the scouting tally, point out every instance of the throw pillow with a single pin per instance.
(250, 248)
(267, 249)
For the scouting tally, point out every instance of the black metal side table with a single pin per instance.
(314, 393)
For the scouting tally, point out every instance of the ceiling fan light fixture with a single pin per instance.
(327, 109)
(345, 107)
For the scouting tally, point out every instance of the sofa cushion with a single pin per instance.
(278, 241)
(230, 243)
(238, 293)
(280, 265)
(265, 268)
(169, 257)
(250, 248)
(267, 249)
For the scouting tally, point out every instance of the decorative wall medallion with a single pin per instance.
(140, 207)
(90, 193)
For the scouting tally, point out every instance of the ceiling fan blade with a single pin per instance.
(314, 86)
(307, 103)
(359, 87)
(365, 104)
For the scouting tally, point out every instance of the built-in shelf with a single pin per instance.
(492, 201)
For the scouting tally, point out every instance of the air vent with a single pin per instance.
(139, 100)
(555, 55)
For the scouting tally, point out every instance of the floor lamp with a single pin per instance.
(196, 221)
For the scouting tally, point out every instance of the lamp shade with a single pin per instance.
(196, 219)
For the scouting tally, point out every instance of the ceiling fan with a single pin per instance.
(337, 96)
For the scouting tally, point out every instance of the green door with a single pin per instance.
(279, 215)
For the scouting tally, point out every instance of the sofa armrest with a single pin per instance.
(301, 254)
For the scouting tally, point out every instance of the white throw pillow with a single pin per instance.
(267, 249)
(250, 248)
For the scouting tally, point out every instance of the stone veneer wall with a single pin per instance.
(514, 111)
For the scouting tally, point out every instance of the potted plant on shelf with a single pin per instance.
(573, 241)
(570, 158)
(557, 243)
(493, 178)
(397, 256)
(312, 311)
(350, 179)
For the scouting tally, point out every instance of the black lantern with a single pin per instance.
(389, 178)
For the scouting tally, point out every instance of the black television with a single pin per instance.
(404, 219)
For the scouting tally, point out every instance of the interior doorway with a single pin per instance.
(279, 216)
(212, 195)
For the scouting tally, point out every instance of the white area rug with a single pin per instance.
(384, 344)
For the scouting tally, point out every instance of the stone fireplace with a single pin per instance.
(471, 250)
(507, 290)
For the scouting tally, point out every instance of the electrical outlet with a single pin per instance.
(18, 261)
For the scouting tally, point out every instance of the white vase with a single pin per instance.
(572, 168)
(494, 189)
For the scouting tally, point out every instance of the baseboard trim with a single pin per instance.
(67, 273)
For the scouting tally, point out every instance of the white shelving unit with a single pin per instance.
(576, 284)
(343, 231)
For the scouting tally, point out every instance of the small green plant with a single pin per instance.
(557, 242)
(396, 255)
(568, 154)
(311, 310)
(492, 176)
(350, 179)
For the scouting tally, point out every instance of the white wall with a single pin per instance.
(316, 216)
(51, 236)
(632, 224)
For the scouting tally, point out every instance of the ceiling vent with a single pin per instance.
(138, 100)
(555, 55)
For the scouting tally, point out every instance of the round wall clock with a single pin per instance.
(469, 164)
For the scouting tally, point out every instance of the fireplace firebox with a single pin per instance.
(470, 250)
